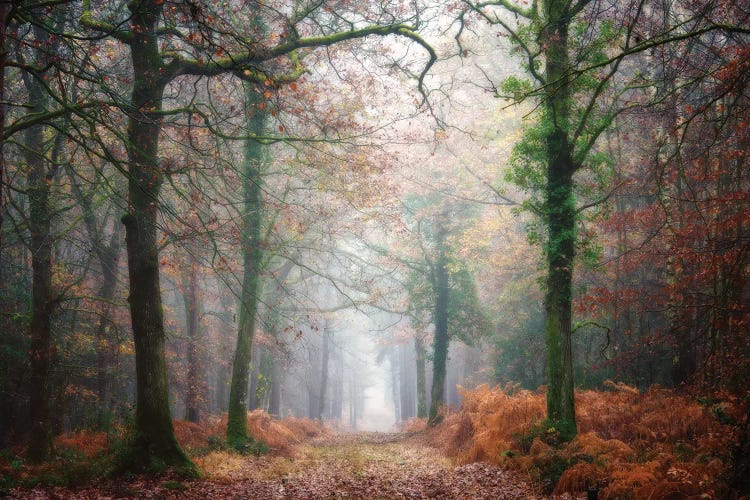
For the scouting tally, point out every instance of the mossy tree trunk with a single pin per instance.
(560, 212)
(38, 181)
(441, 288)
(252, 255)
(154, 445)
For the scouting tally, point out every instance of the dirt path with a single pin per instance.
(342, 466)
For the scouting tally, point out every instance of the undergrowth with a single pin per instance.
(630, 444)
(79, 458)
(84, 456)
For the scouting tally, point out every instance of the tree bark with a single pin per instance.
(39, 178)
(154, 444)
(558, 306)
(560, 220)
(252, 255)
(41, 264)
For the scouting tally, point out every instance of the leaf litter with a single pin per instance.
(365, 465)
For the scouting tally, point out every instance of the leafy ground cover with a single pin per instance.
(654, 444)
(324, 466)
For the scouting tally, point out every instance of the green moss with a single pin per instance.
(136, 454)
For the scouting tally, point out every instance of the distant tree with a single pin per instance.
(441, 287)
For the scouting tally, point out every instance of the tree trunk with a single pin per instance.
(324, 373)
(274, 406)
(154, 444)
(41, 264)
(353, 402)
(252, 255)
(337, 405)
(560, 220)
(252, 392)
(195, 385)
(395, 385)
(406, 383)
(38, 180)
(440, 318)
(558, 303)
(105, 351)
(421, 375)
(226, 337)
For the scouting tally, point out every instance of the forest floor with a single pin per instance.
(361, 465)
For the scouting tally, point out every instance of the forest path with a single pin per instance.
(361, 465)
(369, 465)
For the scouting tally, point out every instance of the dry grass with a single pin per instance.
(414, 425)
(305, 428)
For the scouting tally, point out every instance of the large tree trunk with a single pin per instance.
(440, 318)
(252, 255)
(561, 221)
(154, 444)
(558, 299)
(41, 263)
(38, 180)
